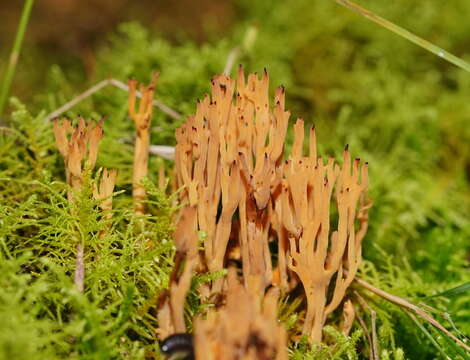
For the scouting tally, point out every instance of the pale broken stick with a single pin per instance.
(166, 152)
(417, 310)
(232, 57)
(373, 318)
(248, 42)
(120, 85)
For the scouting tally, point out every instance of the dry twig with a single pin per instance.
(417, 310)
(95, 88)
(367, 333)
(373, 319)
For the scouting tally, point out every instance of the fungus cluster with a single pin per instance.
(78, 146)
(275, 220)
(142, 116)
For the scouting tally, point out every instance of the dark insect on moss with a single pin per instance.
(178, 346)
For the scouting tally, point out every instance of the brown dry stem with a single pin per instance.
(412, 307)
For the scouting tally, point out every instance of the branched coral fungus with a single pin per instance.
(316, 251)
(78, 150)
(229, 153)
(142, 117)
(239, 192)
(77, 146)
(104, 190)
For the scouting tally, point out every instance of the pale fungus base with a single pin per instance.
(243, 328)
(235, 183)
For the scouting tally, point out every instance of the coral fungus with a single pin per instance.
(240, 193)
(242, 329)
(79, 146)
(142, 117)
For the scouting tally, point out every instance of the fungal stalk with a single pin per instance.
(142, 116)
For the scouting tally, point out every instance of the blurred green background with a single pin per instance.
(399, 107)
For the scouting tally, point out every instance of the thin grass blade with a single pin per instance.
(406, 34)
(451, 292)
(15, 53)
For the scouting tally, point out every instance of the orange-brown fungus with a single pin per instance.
(239, 194)
(243, 328)
(142, 116)
(317, 251)
(104, 190)
(77, 144)
(79, 148)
